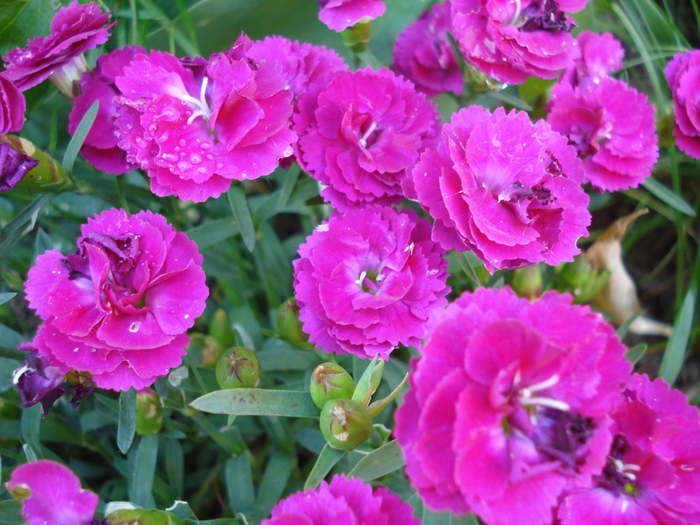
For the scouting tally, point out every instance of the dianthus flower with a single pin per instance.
(74, 30)
(12, 106)
(508, 405)
(343, 500)
(338, 15)
(652, 473)
(195, 126)
(683, 76)
(119, 307)
(100, 147)
(14, 165)
(37, 381)
(362, 134)
(612, 127)
(511, 40)
(505, 188)
(424, 56)
(367, 281)
(600, 55)
(50, 494)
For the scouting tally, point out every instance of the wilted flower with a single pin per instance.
(195, 126)
(511, 40)
(37, 381)
(343, 500)
(652, 472)
(100, 147)
(14, 165)
(508, 405)
(367, 281)
(341, 14)
(50, 493)
(612, 127)
(120, 306)
(361, 134)
(74, 30)
(600, 55)
(424, 56)
(683, 76)
(505, 188)
(12, 106)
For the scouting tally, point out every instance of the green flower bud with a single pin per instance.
(238, 369)
(527, 282)
(289, 325)
(221, 329)
(142, 517)
(345, 424)
(357, 37)
(47, 176)
(149, 412)
(330, 381)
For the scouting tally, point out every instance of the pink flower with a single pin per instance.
(367, 281)
(342, 501)
(505, 188)
(196, 126)
(50, 494)
(611, 126)
(509, 40)
(652, 472)
(100, 146)
(683, 76)
(362, 134)
(74, 30)
(37, 381)
(508, 405)
(14, 165)
(341, 14)
(119, 307)
(424, 56)
(600, 55)
(12, 106)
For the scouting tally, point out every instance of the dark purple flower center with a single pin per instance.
(516, 192)
(618, 476)
(561, 435)
(544, 15)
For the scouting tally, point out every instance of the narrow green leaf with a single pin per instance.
(9, 512)
(213, 232)
(182, 510)
(324, 463)
(189, 47)
(379, 462)
(241, 211)
(143, 472)
(621, 331)
(9, 339)
(285, 359)
(290, 181)
(9, 11)
(447, 518)
(674, 354)
(4, 297)
(238, 476)
(127, 420)
(376, 407)
(76, 142)
(635, 353)
(175, 467)
(257, 402)
(662, 193)
(31, 429)
(467, 267)
(274, 481)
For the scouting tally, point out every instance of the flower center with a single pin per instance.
(369, 281)
(199, 105)
(618, 476)
(541, 15)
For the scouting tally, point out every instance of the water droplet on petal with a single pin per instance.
(134, 327)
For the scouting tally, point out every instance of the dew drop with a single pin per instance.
(76, 349)
(134, 327)
(183, 166)
(195, 159)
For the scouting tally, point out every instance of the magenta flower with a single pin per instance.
(50, 494)
(423, 54)
(119, 307)
(37, 381)
(14, 165)
(505, 188)
(12, 106)
(362, 134)
(600, 55)
(74, 30)
(195, 126)
(100, 147)
(341, 14)
(612, 127)
(367, 281)
(343, 501)
(652, 472)
(511, 40)
(508, 405)
(683, 76)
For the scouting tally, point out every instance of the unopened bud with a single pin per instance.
(289, 326)
(527, 282)
(357, 37)
(240, 368)
(330, 381)
(221, 328)
(345, 424)
(149, 412)
(45, 174)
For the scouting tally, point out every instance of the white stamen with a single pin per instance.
(544, 401)
(625, 468)
(516, 15)
(200, 106)
(361, 278)
(363, 138)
